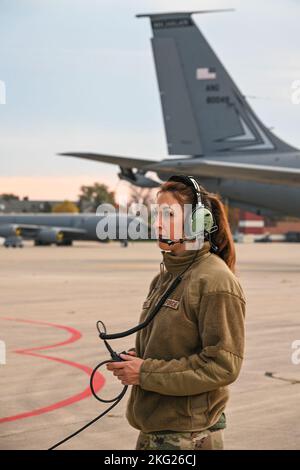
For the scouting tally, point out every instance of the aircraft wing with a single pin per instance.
(124, 162)
(126, 165)
(228, 170)
(31, 230)
(201, 167)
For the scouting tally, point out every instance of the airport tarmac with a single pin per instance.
(53, 296)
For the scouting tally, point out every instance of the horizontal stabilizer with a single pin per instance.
(181, 13)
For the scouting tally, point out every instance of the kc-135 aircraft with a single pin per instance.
(63, 229)
(210, 127)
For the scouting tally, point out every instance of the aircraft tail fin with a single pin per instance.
(204, 111)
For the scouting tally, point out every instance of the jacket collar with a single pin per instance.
(177, 263)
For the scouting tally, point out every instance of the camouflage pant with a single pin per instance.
(198, 440)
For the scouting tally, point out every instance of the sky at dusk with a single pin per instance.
(79, 75)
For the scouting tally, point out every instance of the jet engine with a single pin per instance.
(47, 236)
(10, 230)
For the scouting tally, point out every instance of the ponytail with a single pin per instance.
(223, 236)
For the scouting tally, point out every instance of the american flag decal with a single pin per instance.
(206, 74)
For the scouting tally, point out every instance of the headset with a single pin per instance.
(201, 220)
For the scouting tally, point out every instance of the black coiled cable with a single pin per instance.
(103, 400)
(115, 357)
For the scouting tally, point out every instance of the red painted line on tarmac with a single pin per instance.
(75, 335)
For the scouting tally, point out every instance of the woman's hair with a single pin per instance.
(223, 236)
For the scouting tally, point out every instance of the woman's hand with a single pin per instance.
(127, 371)
(132, 353)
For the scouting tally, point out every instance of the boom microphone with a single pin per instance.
(169, 242)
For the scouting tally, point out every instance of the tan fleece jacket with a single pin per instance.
(192, 349)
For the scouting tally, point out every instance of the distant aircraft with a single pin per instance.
(58, 229)
(209, 123)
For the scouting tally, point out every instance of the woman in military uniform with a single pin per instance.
(184, 360)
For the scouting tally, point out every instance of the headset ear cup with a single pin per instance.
(208, 220)
(197, 221)
(202, 220)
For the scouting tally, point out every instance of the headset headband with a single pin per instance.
(192, 183)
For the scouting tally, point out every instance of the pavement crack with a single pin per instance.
(285, 379)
